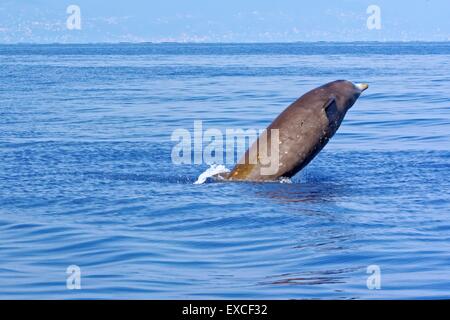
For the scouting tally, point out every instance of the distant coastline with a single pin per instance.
(358, 48)
(227, 43)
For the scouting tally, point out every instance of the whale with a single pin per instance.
(298, 134)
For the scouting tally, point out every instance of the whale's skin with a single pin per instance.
(304, 128)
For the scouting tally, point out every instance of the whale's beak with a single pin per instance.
(362, 86)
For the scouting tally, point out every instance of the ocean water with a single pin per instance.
(86, 176)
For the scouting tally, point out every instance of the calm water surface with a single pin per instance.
(86, 176)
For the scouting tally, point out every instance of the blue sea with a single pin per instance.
(87, 178)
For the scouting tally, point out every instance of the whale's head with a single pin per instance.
(346, 93)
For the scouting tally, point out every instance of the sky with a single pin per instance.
(46, 21)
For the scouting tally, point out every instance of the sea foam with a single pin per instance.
(213, 170)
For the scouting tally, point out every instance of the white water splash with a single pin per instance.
(285, 180)
(213, 170)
